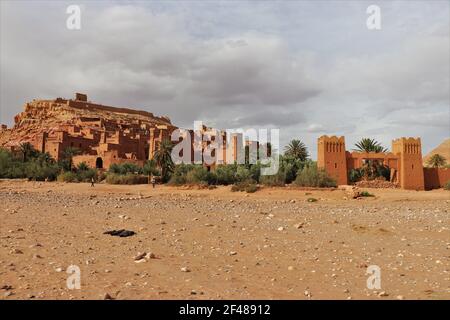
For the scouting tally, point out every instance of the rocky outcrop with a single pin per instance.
(49, 116)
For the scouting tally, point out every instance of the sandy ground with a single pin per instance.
(272, 244)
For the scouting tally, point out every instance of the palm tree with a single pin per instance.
(297, 150)
(27, 150)
(82, 166)
(68, 155)
(369, 145)
(437, 161)
(44, 157)
(163, 157)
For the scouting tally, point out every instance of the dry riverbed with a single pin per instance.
(218, 244)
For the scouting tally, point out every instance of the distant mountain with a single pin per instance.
(443, 149)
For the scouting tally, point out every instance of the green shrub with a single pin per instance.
(311, 176)
(255, 172)
(196, 175)
(38, 166)
(179, 173)
(237, 187)
(276, 180)
(354, 175)
(192, 174)
(248, 186)
(129, 178)
(287, 172)
(226, 174)
(101, 176)
(150, 168)
(86, 175)
(124, 168)
(291, 165)
(366, 194)
(284, 175)
(311, 200)
(200, 175)
(447, 185)
(18, 171)
(251, 188)
(67, 177)
(40, 172)
(82, 166)
(177, 179)
(5, 163)
(242, 174)
(9, 167)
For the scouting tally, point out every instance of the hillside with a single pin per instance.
(51, 115)
(443, 149)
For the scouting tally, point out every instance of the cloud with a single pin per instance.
(298, 66)
(315, 127)
(131, 56)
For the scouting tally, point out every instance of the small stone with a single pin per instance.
(280, 228)
(150, 255)
(383, 294)
(185, 269)
(400, 297)
(140, 256)
(8, 293)
(140, 261)
(107, 297)
(233, 253)
(290, 268)
(59, 269)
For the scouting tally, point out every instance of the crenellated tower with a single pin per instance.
(332, 157)
(409, 151)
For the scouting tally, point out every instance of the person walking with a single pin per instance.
(153, 181)
(92, 182)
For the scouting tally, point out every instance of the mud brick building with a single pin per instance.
(404, 162)
(102, 134)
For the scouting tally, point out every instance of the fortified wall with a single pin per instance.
(404, 162)
(102, 135)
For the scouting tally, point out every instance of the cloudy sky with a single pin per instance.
(307, 68)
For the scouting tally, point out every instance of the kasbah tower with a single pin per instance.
(405, 161)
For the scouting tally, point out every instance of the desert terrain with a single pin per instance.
(218, 244)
